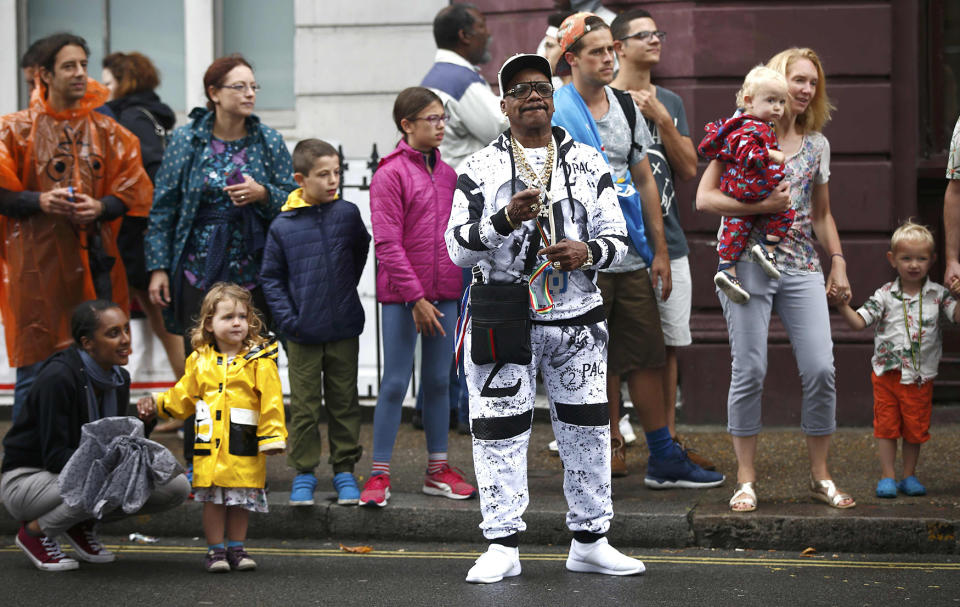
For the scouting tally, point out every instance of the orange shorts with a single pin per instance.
(901, 410)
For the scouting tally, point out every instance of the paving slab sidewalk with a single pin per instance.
(787, 518)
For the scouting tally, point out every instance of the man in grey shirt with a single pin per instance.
(636, 348)
(639, 43)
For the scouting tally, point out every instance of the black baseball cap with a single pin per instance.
(516, 64)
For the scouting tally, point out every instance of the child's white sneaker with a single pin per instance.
(731, 287)
(766, 261)
(601, 557)
(496, 563)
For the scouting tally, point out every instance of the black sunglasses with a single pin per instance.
(522, 90)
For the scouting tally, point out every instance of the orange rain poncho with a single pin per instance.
(44, 267)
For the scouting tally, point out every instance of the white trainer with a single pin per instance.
(496, 563)
(601, 557)
(553, 447)
(766, 260)
(626, 430)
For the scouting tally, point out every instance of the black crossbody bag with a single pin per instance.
(500, 318)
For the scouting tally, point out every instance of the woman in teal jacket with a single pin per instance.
(224, 177)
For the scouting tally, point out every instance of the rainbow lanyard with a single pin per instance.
(547, 297)
(914, 348)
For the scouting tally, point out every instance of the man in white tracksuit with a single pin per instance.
(537, 175)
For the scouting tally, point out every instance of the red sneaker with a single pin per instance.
(376, 491)
(44, 552)
(86, 545)
(449, 482)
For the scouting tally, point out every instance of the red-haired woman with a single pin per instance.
(132, 80)
(223, 179)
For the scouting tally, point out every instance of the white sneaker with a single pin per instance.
(552, 446)
(601, 557)
(626, 430)
(766, 260)
(496, 563)
(731, 287)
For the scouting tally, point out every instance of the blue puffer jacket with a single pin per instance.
(312, 263)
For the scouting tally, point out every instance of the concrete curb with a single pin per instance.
(416, 517)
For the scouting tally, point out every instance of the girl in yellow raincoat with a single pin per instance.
(232, 384)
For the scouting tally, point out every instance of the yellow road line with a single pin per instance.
(546, 557)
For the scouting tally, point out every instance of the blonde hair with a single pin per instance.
(817, 113)
(226, 291)
(759, 77)
(912, 232)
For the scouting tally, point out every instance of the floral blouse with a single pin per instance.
(953, 160)
(224, 166)
(900, 343)
(810, 166)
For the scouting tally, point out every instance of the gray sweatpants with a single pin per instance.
(801, 303)
(33, 493)
(572, 361)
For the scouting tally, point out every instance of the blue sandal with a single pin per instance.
(911, 486)
(887, 488)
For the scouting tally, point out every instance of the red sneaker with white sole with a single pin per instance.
(44, 552)
(82, 537)
(448, 482)
(376, 491)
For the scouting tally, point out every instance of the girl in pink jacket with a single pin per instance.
(418, 286)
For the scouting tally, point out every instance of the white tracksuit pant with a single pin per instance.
(572, 361)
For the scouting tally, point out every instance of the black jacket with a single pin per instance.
(129, 112)
(47, 431)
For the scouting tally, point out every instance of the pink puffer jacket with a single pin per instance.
(409, 209)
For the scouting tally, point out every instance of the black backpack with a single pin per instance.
(630, 111)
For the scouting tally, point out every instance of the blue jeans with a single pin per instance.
(399, 342)
(25, 377)
(459, 398)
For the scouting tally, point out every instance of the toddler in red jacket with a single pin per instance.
(747, 143)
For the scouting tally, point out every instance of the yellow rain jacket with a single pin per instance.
(239, 409)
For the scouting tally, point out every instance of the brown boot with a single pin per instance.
(618, 457)
(695, 457)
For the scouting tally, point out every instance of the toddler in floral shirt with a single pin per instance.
(906, 353)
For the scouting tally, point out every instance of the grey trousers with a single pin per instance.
(801, 303)
(33, 494)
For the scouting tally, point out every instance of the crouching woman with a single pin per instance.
(81, 384)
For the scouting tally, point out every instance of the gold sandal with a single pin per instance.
(826, 491)
(744, 495)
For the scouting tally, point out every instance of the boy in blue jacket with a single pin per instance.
(314, 257)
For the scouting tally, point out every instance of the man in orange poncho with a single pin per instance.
(67, 177)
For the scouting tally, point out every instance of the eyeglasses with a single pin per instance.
(241, 87)
(434, 119)
(522, 90)
(660, 34)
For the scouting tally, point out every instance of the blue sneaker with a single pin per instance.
(348, 494)
(301, 492)
(911, 486)
(679, 472)
(887, 488)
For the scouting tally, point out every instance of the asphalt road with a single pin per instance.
(320, 573)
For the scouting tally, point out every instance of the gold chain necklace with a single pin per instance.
(530, 177)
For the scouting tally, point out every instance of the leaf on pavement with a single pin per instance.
(356, 549)
(809, 551)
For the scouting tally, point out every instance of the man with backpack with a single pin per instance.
(596, 114)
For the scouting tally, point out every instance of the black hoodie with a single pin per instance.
(130, 114)
(47, 431)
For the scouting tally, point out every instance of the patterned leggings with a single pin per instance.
(571, 360)
(735, 230)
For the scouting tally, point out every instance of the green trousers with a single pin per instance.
(324, 375)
